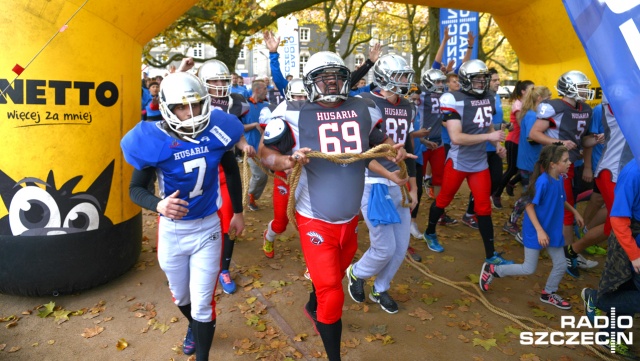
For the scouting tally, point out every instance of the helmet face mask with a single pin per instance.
(433, 80)
(295, 87)
(216, 70)
(575, 85)
(391, 73)
(184, 90)
(474, 77)
(326, 78)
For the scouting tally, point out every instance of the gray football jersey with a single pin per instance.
(475, 114)
(431, 115)
(616, 153)
(328, 191)
(397, 121)
(566, 122)
(234, 104)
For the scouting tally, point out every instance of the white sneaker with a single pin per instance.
(586, 263)
(519, 238)
(415, 232)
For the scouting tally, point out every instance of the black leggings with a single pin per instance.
(419, 183)
(512, 168)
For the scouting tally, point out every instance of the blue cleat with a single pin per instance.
(497, 260)
(432, 242)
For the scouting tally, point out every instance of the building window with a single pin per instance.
(359, 60)
(335, 33)
(198, 51)
(241, 54)
(305, 34)
(404, 40)
(304, 57)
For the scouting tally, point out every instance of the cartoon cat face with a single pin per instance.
(38, 208)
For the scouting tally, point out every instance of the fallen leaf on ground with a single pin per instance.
(61, 316)
(513, 330)
(529, 357)
(487, 344)
(8, 318)
(46, 310)
(121, 344)
(91, 332)
(351, 343)
(421, 314)
(474, 278)
(300, 337)
(541, 313)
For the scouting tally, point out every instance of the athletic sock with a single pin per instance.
(186, 311)
(470, 210)
(569, 252)
(203, 335)
(486, 231)
(434, 216)
(271, 235)
(313, 300)
(331, 335)
(228, 251)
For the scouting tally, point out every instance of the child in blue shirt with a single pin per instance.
(542, 225)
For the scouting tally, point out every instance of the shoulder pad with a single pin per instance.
(545, 110)
(146, 145)
(274, 131)
(265, 116)
(447, 103)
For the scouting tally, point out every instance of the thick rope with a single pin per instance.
(246, 175)
(382, 150)
(479, 295)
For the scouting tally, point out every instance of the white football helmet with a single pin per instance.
(215, 70)
(430, 79)
(295, 87)
(187, 89)
(474, 71)
(321, 68)
(388, 72)
(575, 85)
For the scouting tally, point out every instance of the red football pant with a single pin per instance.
(328, 250)
(280, 200)
(225, 212)
(479, 183)
(606, 187)
(568, 190)
(436, 158)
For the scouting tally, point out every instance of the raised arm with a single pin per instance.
(272, 42)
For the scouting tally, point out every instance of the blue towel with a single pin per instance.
(381, 209)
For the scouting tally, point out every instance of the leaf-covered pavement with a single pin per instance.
(133, 317)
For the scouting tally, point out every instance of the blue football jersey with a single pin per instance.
(182, 165)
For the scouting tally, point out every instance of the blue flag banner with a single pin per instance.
(608, 30)
(460, 23)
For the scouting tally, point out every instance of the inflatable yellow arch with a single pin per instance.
(539, 31)
(66, 221)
